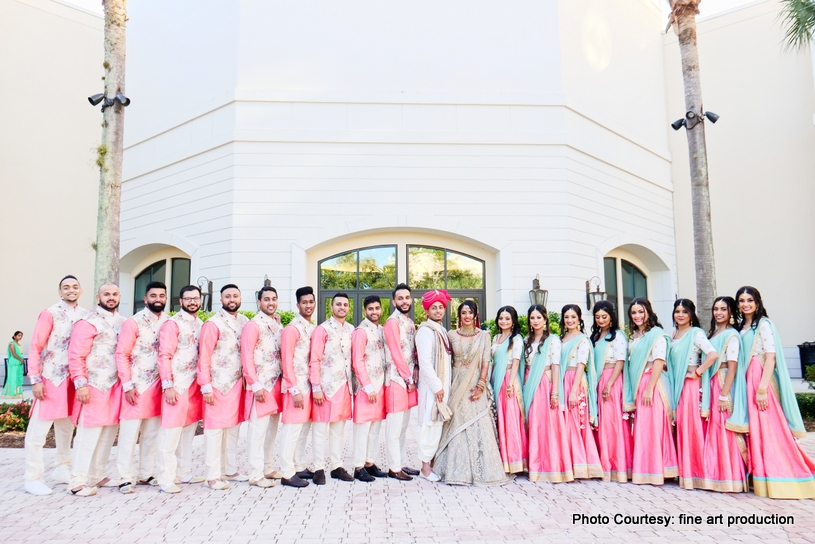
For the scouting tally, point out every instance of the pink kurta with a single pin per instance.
(364, 411)
(103, 408)
(512, 438)
(273, 403)
(654, 456)
(228, 408)
(59, 399)
(291, 414)
(549, 459)
(338, 406)
(690, 437)
(585, 458)
(724, 452)
(397, 398)
(188, 408)
(149, 401)
(614, 443)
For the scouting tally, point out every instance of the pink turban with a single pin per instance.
(431, 297)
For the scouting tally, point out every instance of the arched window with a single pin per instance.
(624, 282)
(361, 272)
(180, 278)
(154, 272)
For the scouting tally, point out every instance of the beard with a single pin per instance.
(110, 306)
(191, 308)
(156, 307)
(405, 311)
(232, 306)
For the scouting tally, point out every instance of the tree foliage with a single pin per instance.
(799, 22)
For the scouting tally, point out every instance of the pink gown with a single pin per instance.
(512, 438)
(654, 457)
(583, 448)
(614, 441)
(724, 452)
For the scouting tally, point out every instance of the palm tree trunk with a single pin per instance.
(684, 17)
(111, 149)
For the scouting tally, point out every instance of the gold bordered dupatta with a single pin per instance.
(636, 366)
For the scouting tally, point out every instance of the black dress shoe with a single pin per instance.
(362, 475)
(341, 474)
(399, 476)
(410, 471)
(375, 471)
(319, 477)
(294, 481)
(305, 474)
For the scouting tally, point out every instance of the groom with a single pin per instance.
(434, 354)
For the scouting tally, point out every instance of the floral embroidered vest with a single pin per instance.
(185, 359)
(226, 359)
(335, 370)
(101, 361)
(374, 355)
(54, 357)
(267, 351)
(144, 357)
(301, 351)
(407, 341)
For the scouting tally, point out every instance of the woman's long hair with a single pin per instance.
(689, 307)
(544, 333)
(579, 313)
(651, 320)
(732, 307)
(761, 311)
(614, 324)
(516, 325)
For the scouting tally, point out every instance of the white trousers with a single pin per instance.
(91, 453)
(35, 436)
(261, 434)
(396, 441)
(366, 442)
(174, 459)
(428, 441)
(335, 443)
(145, 432)
(221, 457)
(293, 440)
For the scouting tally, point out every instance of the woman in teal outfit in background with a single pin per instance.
(14, 377)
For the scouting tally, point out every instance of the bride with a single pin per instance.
(468, 450)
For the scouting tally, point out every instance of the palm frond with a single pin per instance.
(799, 21)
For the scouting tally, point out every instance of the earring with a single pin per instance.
(732, 320)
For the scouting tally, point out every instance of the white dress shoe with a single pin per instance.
(218, 485)
(236, 477)
(172, 489)
(191, 480)
(62, 474)
(432, 477)
(84, 491)
(38, 487)
(264, 482)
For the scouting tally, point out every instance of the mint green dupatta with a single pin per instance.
(637, 360)
(678, 361)
(739, 421)
(591, 376)
(720, 344)
(500, 362)
(535, 376)
(600, 351)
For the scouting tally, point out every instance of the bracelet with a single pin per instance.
(761, 391)
(480, 387)
(723, 398)
(697, 373)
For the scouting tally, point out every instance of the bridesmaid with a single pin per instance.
(763, 396)
(578, 379)
(506, 386)
(613, 431)
(724, 452)
(549, 459)
(689, 341)
(646, 392)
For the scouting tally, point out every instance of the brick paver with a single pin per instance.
(384, 511)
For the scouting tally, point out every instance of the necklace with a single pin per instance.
(467, 356)
(467, 335)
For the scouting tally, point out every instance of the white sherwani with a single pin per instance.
(429, 384)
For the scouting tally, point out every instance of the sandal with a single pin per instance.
(84, 491)
(126, 488)
(149, 481)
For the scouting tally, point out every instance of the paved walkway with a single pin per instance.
(384, 511)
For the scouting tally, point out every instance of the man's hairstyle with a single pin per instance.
(399, 288)
(154, 285)
(229, 286)
(68, 277)
(266, 289)
(370, 299)
(340, 295)
(187, 289)
(303, 292)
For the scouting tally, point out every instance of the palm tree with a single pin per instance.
(683, 19)
(799, 19)
(110, 150)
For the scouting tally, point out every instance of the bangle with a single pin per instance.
(723, 397)
(697, 373)
(761, 391)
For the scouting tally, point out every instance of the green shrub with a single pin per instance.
(806, 402)
(810, 376)
(14, 417)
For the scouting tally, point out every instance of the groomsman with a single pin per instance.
(52, 390)
(400, 385)
(181, 407)
(98, 400)
(329, 371)
(137, 361)
(219, 375)
(368, 359)
(260, 357)
(296, 416)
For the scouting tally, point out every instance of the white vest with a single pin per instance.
(226, 359)
(267, 351)
(101, 361)
(54, 356)
(374, 355)
(407, 340)
(185, 358)
(301, 351)
(144, 357)
(335, 370)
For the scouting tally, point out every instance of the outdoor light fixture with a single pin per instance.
(106, 102)
(206, 293)
(692, 119)
(266, 283)
(537, 295)
(593, 297)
